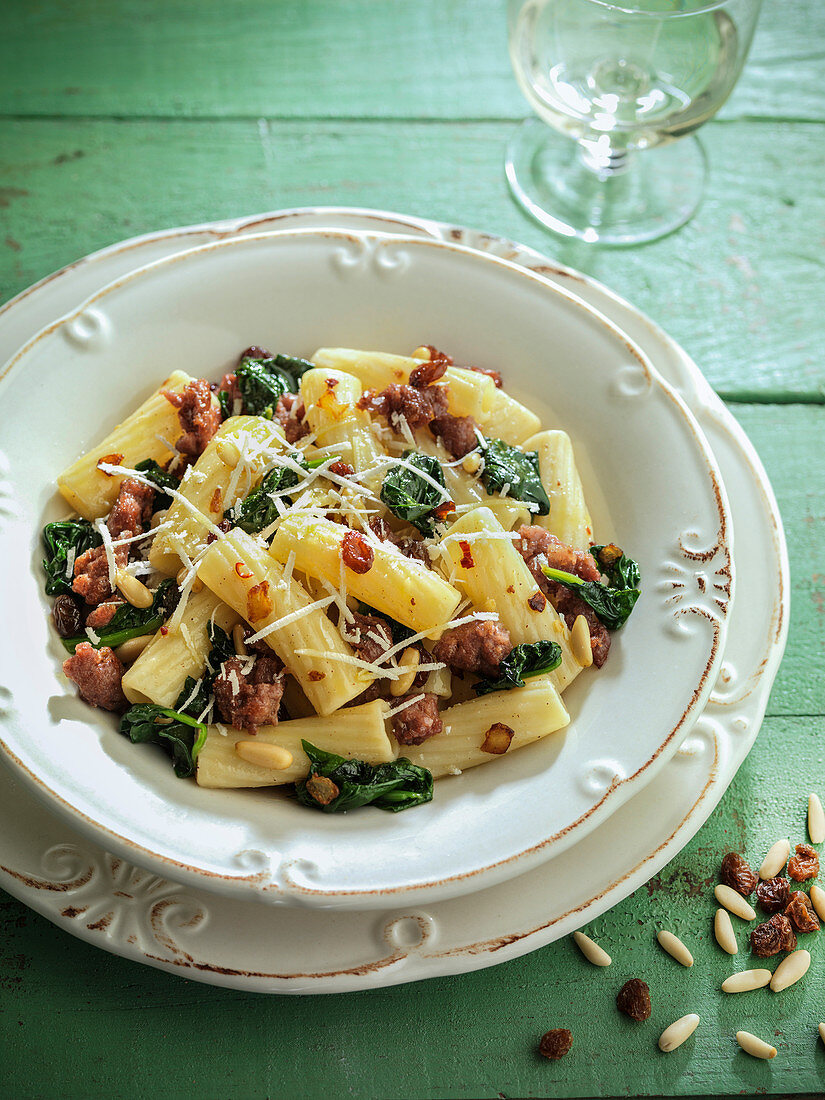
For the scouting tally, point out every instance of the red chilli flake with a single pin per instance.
(466, 554)
(242, 571)
(110, 460)
(164, 630)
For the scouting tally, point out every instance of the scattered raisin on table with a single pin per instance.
(773, 936)
(773, 894)
(556, 1043)
(634, 999)
(736, 873)
(800, 912)
(805, 864)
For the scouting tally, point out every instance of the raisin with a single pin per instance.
(634, 999)
(805, 864)
(67, 616)
(254, 352)
(429, 371)
(773, 894)
(556, 1043)
(773, 936)
(356, 552)
(800, 912)
(736, 873)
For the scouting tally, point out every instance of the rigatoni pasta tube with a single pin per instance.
(240, 571)
(357, 733)
(470, 393)
(89, 490)
(331, 400)
(159, 673)
(508, 419)
(568, 519)
(233, 462)
(531, 712)
(493, 574)
(399, 586)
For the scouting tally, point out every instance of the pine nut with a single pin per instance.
(790, 970)
(197, 583)
(580, 645)
(238, 640)
(591, 951)
(471, 463)
(817, 895)
(734, 902)
(264, 755)
(421, 353)
(723, 930)
(228, 453)
(135, 593)
(775, 860)
(674, 946)
(129, 652)
(746, 980)
(410, 660)
(158, 518)
(673, 1036)
(822, 1032)
(816, 819)
(753, 1045)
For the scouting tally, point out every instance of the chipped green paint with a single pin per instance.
(148, 116)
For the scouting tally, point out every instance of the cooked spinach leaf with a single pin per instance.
(412, 497)
(335, 784)
(58, 539)
(613, 601)
(517, 470)
(225, 401)
(263, 381)
(527, 659)
(130, 622)
(179, 734)
(259, 510)
(194, 697)
(158, 476)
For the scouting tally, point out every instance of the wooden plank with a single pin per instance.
(737, 286)
(312, 58)
(88, 1024)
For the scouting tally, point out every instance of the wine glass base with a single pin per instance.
(654, 193)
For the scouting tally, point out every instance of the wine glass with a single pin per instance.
(618, 78)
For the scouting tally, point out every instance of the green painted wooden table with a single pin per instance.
(136, 115)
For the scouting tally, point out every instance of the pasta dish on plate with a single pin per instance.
(352, 574)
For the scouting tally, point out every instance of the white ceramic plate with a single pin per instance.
(297, 291)
(122, 909)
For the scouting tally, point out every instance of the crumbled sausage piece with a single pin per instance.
(556, 1043)
(772, 894)
(356, 552)
(130, 513)
(369, 635)
(132, 509)
(805, 864)
(290, 412)
(342, 469)
(246, 701)
(98, 675)
(418, 407)
(457, 433)
(773, 936)
(199, 416)
(254, 351)
(103, 614)
(537, 541)
(409, 547)
(736, 873)
(66, 614)
(91, 573)
(229, 382)
(417, 722)
(478, 646)
(634, 999)
(801, 913)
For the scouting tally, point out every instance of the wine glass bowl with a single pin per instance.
(618, 79)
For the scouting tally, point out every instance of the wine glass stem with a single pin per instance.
(603, 159)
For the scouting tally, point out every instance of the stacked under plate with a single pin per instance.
(630, 811)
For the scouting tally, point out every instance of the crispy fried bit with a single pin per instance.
(258, 602)
(800, 912)
(609, 555)
(736, 873)
(634, 999)
(773, 936)
(805, 864)
(497, 739)
(322, 790)
(556, 1043)
(467, 561)
(772, 894)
